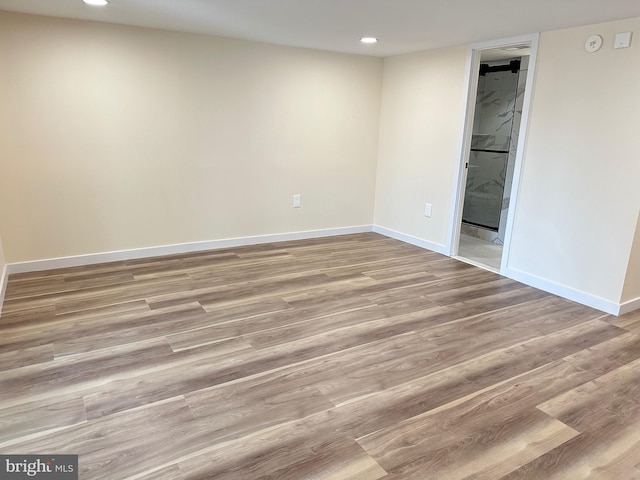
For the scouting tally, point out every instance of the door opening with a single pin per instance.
(497, 109)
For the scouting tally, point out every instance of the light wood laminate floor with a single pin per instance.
(352, 357)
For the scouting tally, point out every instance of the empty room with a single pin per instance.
(291, 239)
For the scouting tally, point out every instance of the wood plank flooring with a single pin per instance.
(349, 358)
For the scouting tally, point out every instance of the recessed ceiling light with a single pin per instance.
(369, 40)
(96, 3)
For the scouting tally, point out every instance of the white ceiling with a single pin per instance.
(401, 25)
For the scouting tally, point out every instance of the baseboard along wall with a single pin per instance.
(147, 252)
(4, 277)
(563, 291)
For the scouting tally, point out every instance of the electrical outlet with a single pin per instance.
(427, 209)
(296, 201)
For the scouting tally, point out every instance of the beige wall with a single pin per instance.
(421, 117)
(114, 137)
(579, 194)
(632, 280)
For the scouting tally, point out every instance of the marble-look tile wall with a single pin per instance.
(513, 145)
(485, 185)
(489, 177)
(494, 110)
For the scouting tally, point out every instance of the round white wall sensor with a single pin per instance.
(593, 43)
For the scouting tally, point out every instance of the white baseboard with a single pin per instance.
(79, 260)
(629, 306)
(435, 247)
(563, 291)
(3, 285)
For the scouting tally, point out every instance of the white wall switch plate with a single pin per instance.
(427, 209)
(623, 40)
(296, 201)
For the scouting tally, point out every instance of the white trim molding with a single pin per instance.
(464, 141)
(563, 291)
(418, 242)
(629, 306)
(4, 276)
(133, 254)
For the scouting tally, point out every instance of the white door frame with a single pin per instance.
(464, 142)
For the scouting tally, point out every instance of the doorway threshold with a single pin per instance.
(477, 264)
